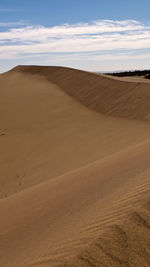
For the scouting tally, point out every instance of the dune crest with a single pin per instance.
(100, 93)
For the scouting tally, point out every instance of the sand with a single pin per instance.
(74, 169)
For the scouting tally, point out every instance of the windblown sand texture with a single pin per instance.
(74, 169)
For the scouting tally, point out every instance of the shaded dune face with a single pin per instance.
(74, 169)
(100, 93)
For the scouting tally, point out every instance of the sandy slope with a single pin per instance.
(68, 172)
(123, 244)
(46, 133)
(106, 95)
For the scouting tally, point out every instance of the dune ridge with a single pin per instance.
(100, 93)
(73, 182)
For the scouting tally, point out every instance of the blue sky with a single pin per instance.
(92, 35)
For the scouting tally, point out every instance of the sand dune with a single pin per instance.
(67, 173)
(47, 133)
(105, 95)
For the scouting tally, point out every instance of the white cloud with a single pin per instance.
(12, 24)
(36, 33)
(103, 37)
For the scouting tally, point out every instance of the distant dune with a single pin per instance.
(74, 169)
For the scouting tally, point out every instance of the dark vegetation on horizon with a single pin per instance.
(145, 73)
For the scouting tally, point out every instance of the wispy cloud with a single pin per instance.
(13, 24)
(81, 30)
(103, 37)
